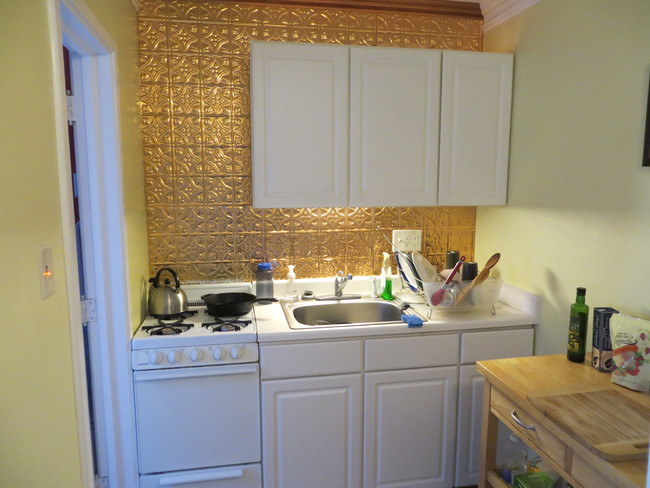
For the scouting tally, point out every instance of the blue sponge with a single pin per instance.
(412, 320)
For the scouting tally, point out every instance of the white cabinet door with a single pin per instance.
(470, 401)
(477, 346)
(299, 99)
(311, 431)
(409, 428)
(394, 125)
(474, 128)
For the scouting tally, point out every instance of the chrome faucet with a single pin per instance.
(340, 280)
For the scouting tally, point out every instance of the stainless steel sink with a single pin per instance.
(305, 315)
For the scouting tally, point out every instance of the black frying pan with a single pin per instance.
(231, 304)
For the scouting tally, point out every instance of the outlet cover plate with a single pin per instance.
(407, 240)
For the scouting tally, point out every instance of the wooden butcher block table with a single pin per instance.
(592, 432)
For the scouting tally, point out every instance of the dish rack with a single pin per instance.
(485, 295)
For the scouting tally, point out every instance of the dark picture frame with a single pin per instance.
(646, 145)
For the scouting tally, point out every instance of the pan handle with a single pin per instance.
(264, 300)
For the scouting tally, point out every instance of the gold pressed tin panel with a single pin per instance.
(195, 105)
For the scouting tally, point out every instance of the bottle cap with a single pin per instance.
(451, 259)
(264, 266)
(470, 270)
(581, 291)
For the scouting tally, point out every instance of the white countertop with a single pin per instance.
(272, 325)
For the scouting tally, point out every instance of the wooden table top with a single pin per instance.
(518, 378)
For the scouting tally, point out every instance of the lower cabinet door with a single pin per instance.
(311, 431)
(410, 428)
(470, 401)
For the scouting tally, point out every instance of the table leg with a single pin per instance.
(489, 435)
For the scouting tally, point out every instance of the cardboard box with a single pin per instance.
(601, 352)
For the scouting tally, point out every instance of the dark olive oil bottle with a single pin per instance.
(578, 328)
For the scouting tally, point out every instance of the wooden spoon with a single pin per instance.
(480, 278)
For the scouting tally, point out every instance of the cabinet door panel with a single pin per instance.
(475, 128)
(410, 419)
(312, 432)
(394, 121)
(299, 99)
(470, 401)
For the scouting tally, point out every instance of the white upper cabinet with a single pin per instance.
(299, 95)
(394, 124)
(337, 126)
(475, 128)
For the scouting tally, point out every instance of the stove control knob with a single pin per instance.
(195, 355)
(236, 352)
(154, 357)
(173, 356)
(216, 353)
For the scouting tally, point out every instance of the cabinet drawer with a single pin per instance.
(411, 352)
(315, 359)
(496, 344)
(545, 442)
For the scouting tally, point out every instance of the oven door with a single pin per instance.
(246, 476)
(199, 417)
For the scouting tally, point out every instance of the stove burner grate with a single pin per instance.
(223, 325)
(173, 316)
(172, 328)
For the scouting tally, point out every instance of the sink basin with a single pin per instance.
(341, 313)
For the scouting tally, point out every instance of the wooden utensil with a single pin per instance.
(437, 297)
(480, 278)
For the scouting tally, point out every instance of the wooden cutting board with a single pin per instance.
(609, 423)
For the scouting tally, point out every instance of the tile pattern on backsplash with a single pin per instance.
(195, 106)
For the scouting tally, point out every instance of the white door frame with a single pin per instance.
(74, 25)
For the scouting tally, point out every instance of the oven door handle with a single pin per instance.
(172, 374)
(183, 479)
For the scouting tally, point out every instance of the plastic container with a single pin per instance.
(484, 295)
(264, 279)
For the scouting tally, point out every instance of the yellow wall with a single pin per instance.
(38, 437)
(578, 210)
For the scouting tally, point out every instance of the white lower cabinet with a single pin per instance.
(470, 401)
(409, 428)
(480, 346)
(312, 432)
(389, 412)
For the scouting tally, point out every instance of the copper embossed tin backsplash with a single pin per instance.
(195, 105)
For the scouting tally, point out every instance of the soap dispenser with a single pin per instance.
(386, 273)
(291, 293)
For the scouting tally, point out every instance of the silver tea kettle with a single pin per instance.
(165, 300)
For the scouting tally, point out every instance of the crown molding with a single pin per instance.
(497, 11)
(457, 8)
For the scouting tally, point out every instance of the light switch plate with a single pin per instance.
(407, 240)
(46, 274)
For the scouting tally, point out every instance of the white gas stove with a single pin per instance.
(199, 339)
(189, 381)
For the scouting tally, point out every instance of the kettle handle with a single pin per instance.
(156, 280)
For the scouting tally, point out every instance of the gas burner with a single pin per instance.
(162, 328)
(181, 315)
(221, 325)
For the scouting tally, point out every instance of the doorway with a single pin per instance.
(90, 180)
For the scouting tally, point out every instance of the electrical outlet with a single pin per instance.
(407, 240)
